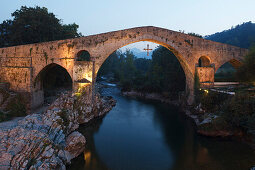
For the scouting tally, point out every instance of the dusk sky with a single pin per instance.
(200, 16)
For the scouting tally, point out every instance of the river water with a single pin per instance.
(138, 134)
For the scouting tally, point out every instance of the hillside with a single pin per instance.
(241, 35)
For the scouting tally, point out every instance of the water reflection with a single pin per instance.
(89, 159)
(149, 135)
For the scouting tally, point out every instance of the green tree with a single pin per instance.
(246, 73)
(166, 72)
(33, 25)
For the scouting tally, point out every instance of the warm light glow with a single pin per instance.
(77, 94)
(82, 85)
(87, 76)
(87, 157)
(206, 91)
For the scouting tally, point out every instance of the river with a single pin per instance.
(144, 135)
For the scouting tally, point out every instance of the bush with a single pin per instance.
(239, 110)
(16, 107)
(5, 95)
(250, 124)
(216, 125)
(212, 101)
(64, 116)
(2, 117)
(246, 73)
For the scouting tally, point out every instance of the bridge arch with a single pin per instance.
(189, 75)
(83, 55)
(226, 71)
(50, 81)
(234, 62)
(204, 61)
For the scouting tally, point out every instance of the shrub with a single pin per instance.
(250, 124)
(211, 101)
(64, 116)
(16, 107)
(239, 110)
(246, 73)
(216, 125)
(5, 95)
(2, 117)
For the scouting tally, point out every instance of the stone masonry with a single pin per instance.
(21, 65)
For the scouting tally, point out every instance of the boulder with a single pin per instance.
(75, 145)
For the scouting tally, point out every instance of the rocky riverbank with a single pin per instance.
(203, 120)
(150, 96)
(211, 125)
(49, 140)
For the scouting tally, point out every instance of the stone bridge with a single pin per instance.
(27, 67)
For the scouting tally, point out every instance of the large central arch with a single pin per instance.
(186, 68)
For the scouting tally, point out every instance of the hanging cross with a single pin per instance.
(148, 50)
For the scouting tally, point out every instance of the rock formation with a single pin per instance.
(49, 140)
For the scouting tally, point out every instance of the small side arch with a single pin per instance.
(225, 72)
(83, 55)
(204, 61)
(234, 62)
(50, 81)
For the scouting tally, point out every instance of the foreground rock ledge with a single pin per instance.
(49, 140)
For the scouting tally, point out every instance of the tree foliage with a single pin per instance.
(246, 73)
(166, 72)
(33, 25)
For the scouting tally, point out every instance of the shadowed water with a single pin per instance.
(139, 134)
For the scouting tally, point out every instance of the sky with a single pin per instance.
(98, 16)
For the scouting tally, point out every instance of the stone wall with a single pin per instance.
(205, 74)
(19, 78)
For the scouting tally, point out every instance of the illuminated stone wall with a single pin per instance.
(206, 76)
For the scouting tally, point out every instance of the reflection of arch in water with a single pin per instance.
(50, 81)
(90, 159)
